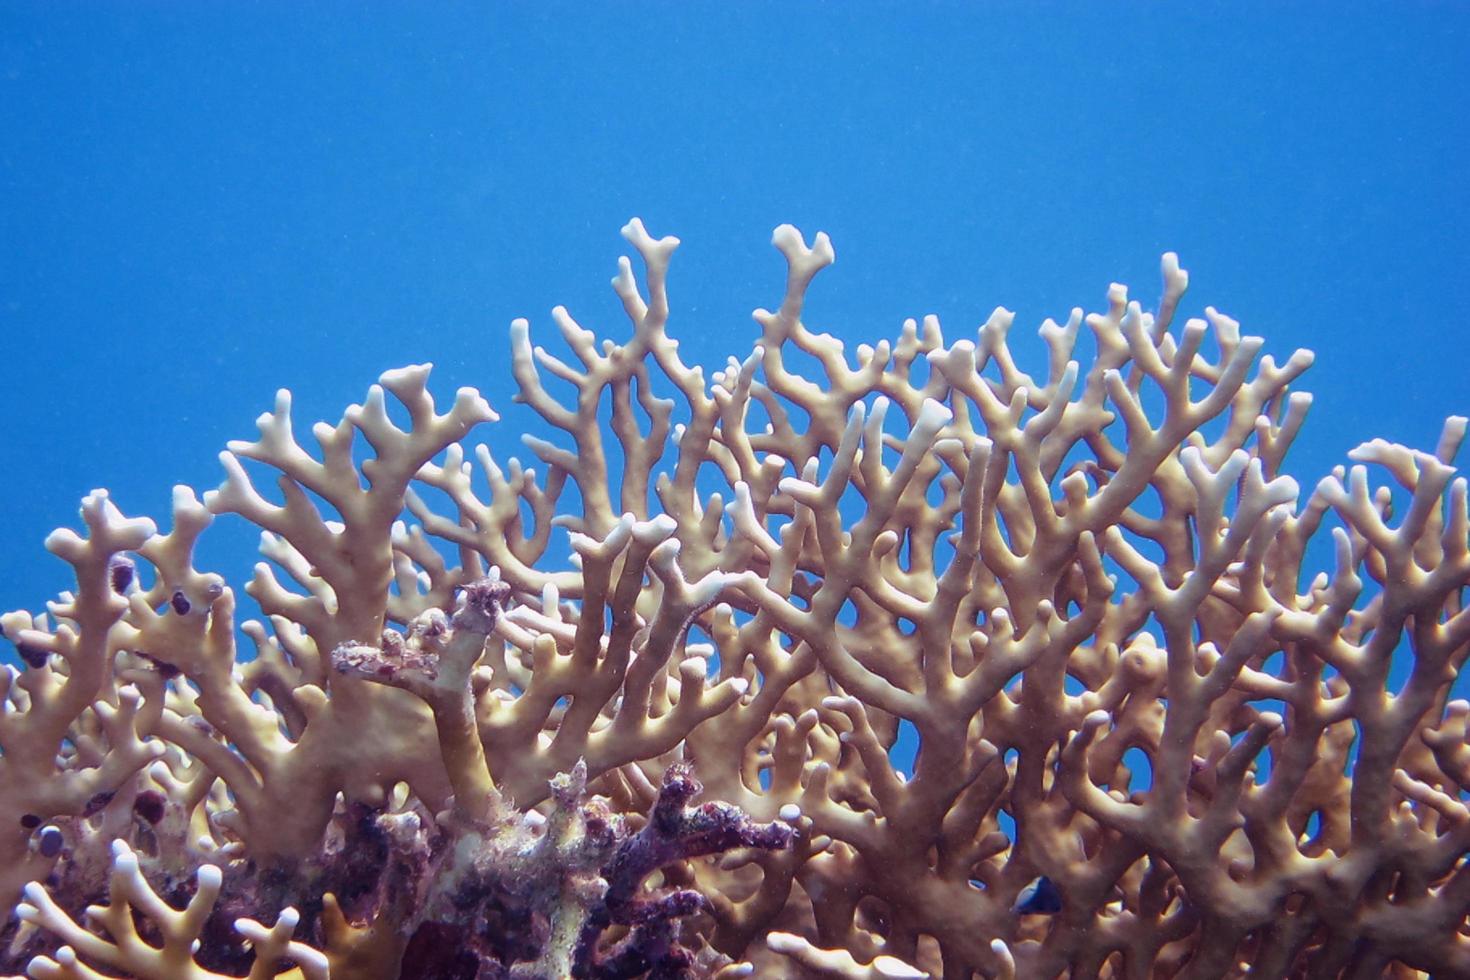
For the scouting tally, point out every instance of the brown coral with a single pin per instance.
(1038, 577)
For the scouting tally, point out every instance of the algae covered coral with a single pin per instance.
(444, 751)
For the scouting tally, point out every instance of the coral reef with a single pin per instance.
(1153, 739)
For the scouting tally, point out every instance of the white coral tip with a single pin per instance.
(892, 966)
(934, 414)
(209, 876)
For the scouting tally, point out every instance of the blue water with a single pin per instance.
(200, 206)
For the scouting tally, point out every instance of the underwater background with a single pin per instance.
(201, 204)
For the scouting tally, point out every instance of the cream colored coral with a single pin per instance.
(117, 944)
(779, 569)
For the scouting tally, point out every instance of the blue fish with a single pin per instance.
(1038, 898)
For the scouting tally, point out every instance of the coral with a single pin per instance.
(129, 894)
(450, 901)
(1153, 737)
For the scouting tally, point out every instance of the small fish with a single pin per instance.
(1038, 898)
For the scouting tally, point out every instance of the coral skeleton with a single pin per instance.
(641, 707)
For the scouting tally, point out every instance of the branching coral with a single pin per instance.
(450, 754)
(129, 894)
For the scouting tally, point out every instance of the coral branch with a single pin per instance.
(984, 673)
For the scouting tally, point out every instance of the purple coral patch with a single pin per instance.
(150, 805)
(33, 656)
(50, 841)
(121, 571)
(437, 951)
(97, 803)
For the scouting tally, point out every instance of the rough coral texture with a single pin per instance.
(1153, 737)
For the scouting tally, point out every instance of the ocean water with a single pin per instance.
(199, 206)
